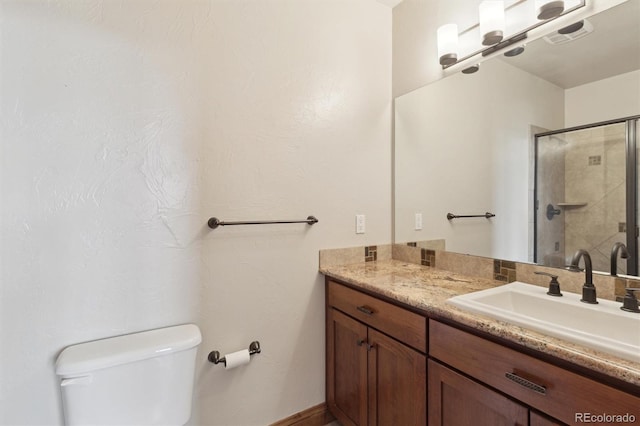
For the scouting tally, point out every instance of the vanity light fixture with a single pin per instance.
(547, 9)
(492, 29)
(492, 22)
(448, 44)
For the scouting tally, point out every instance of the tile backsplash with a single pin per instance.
(504, 270)
(370, 253)
(428, 257)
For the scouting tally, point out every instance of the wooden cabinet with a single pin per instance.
(456, 400)
(377, 373)
(402, 324)
(346, 368)
(372, 378)
(558, 393)
(397, 382)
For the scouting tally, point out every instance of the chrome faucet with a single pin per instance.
(588, 289)
(624, 253)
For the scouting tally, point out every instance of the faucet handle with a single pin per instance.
(630, 303)
(554, 285)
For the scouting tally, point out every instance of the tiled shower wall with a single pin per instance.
(582, 175)
(595, 175)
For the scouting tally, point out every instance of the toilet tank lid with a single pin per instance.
(86, 357)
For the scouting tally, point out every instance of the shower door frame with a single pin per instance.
(631, 185)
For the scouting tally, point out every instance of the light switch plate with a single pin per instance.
(360, 224)
(418, 221)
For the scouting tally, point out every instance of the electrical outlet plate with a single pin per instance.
(360, 224)
(418, 226)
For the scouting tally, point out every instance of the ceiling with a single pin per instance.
(612, 48)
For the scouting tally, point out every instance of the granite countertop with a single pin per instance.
(427, 289)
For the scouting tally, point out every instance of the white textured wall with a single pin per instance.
(617, 97)
(126, 124)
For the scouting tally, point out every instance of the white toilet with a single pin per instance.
(138, 379)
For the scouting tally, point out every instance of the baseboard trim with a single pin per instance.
(317, 415)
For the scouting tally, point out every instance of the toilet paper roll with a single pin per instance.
(236, 359)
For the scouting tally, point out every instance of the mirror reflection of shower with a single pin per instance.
(586, 194)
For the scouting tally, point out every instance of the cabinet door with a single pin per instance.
(346, 368)
(397, 382)
(455, 400)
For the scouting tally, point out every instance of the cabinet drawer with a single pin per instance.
(403, 325)
(557, 392)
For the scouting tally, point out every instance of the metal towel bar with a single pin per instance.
(214, 222)
(453, 216)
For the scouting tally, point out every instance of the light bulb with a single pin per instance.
(491, 21)
(448, 44)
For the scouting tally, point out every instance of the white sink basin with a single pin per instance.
(603, 326)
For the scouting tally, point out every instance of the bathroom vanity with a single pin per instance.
(398, 353)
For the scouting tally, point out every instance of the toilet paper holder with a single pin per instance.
(214, 356)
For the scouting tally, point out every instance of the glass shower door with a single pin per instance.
(582, 194)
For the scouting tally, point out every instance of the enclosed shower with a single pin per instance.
(586, 194)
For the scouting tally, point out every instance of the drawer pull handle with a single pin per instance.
(365, 310)
(526, 383)
(360, 342)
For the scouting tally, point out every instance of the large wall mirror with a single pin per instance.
(541, 140)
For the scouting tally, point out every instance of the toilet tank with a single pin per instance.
(137, 379)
